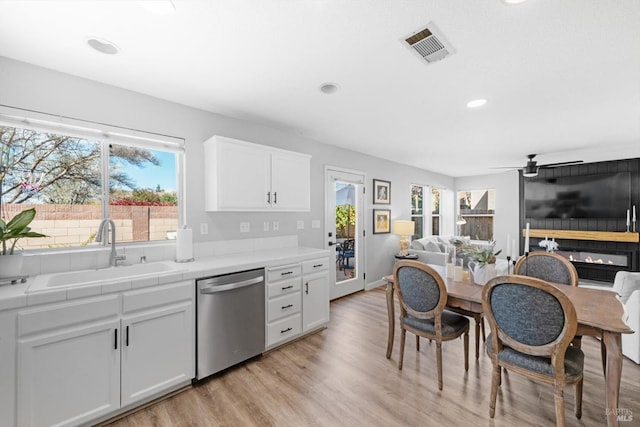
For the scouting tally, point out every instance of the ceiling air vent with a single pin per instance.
(429, 43)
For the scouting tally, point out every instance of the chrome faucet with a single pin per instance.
(103, 237)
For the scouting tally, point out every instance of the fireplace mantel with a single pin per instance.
(605, 236)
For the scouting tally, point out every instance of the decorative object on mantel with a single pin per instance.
(548, 245)
(381, 192)
(10, 233)
(633, 219)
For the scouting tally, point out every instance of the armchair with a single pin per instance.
(627, 285)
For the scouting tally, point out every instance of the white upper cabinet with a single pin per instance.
(241, 176)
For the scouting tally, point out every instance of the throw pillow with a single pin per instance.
(432, 246)
(625, 283)
(417, 245)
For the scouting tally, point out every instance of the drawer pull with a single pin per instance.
(318, 265)
(284, 288)
(287, 306)
(285, 331)
(286, 273)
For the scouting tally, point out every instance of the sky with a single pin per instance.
(151, 176)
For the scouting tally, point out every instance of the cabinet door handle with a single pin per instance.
(115, 339)
(286, 273)
(318, 265)
(126, 338)
(286, 306)
(275, 197)
(269, 197)
(286, 330)
(284, 288)
(306, 288)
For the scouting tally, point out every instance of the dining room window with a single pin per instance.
(75, 179)
(425, 210)
(476, 211)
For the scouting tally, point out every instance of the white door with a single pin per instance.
(315, 301)
(290, 181)
(344, 230)
(69, 377)
(157, 351)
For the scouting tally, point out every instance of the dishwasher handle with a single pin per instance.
(212, 289)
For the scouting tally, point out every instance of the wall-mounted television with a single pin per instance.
(590, 196)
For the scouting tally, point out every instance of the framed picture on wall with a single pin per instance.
(381, 221)
(381, 192)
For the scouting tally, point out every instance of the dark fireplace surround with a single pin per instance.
(596, 258)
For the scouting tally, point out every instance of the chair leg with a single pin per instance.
(495, 383)
(559, 399)
(579, 399)
(466, 350)
(439, 361)
(603, 354)
(418, 342)
(478, 338)
(484, 337)
(403, 334)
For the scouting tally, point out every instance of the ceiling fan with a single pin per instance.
(532, 166)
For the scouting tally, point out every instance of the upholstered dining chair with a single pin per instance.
(532, 324)
(550, 267)
(423, 296)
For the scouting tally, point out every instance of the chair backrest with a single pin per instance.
(547, 266)
(529, 315)
(421, 291)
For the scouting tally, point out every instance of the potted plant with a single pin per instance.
(483, 261)
(10, 232)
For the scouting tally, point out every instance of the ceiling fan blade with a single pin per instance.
(551, 165)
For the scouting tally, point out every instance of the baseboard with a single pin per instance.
(376, 284)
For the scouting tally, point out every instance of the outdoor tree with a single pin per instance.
(63, 169)
(345, 217)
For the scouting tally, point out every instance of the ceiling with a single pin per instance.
(562, 79)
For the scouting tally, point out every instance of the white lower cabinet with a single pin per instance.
(158, 342)
(297, 300)
(81, 360)
(315, 294)
(68, 362)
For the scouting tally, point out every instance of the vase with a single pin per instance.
(10, 265)
(482, 273)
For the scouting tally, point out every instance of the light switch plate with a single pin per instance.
(315, 223)
(204, 228)
(276, 225)
(245, 227)
(300, 224)
(265, 226)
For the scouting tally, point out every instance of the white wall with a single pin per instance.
(506, 219)
(35, 88)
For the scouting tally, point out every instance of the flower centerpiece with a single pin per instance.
(548, 245)
(483, 260)
(10, 232)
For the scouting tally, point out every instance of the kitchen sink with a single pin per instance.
(89, 277)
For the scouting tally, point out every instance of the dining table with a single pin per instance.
(600, 313)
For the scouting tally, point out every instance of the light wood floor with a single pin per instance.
(340, 377)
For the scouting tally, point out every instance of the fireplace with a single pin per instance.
(600, 265)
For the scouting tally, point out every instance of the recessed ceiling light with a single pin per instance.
(329, 88)
(161, 7)
(103, 45)
(476, 103)
(513, 1)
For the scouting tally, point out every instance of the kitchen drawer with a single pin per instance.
(315, 265)
(283, 273)
(284, 287)
(283, 306)
(283, 330)
(157, 296)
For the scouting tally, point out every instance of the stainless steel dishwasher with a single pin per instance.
(230, 320)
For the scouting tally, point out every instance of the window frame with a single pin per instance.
(476, 215)
(105, 135)
(427, 216)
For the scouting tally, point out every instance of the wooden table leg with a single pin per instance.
(391, 316)
(478, 318)
(613, 343)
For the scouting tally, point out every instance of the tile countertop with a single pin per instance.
(16, 296)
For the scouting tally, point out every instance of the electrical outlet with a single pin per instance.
(315, 223)
(300, 224)
(245, 227)
(276, 226)
(265, 226)
(204, 228)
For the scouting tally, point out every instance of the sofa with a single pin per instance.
(432, 249)
(627, 285)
